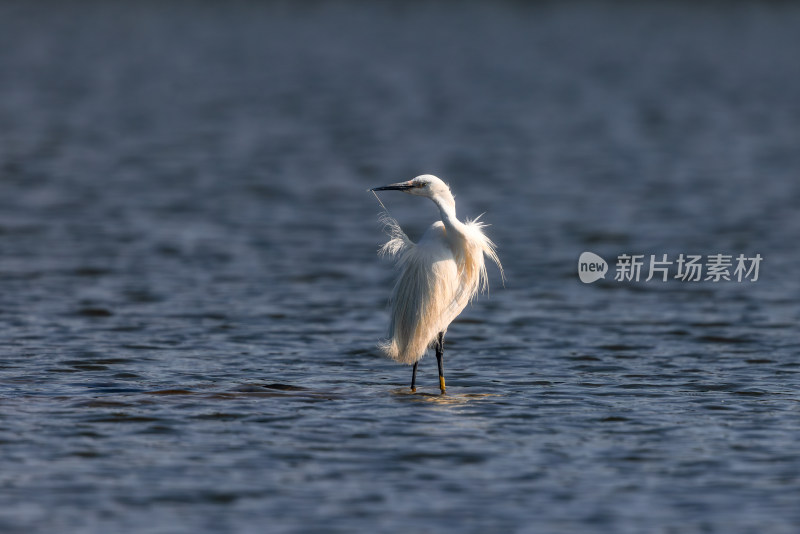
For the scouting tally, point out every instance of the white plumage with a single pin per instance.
(439, 275)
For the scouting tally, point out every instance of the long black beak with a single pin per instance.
(402, 186)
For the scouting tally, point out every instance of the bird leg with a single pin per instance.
(414, 377)
(439, 360)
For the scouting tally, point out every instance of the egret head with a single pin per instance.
(426, 185)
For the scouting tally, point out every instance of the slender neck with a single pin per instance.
(447, 209)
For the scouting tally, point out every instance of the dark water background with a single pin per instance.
(190, 297)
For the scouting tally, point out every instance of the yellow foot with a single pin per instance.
(441, 384)
(413, 390)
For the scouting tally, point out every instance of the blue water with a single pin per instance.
(190, 297)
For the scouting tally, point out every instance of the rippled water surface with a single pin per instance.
(190, 297)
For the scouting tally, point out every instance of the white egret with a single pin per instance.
(439, 275)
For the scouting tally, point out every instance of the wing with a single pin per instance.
(423, 297)
(435, 283)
